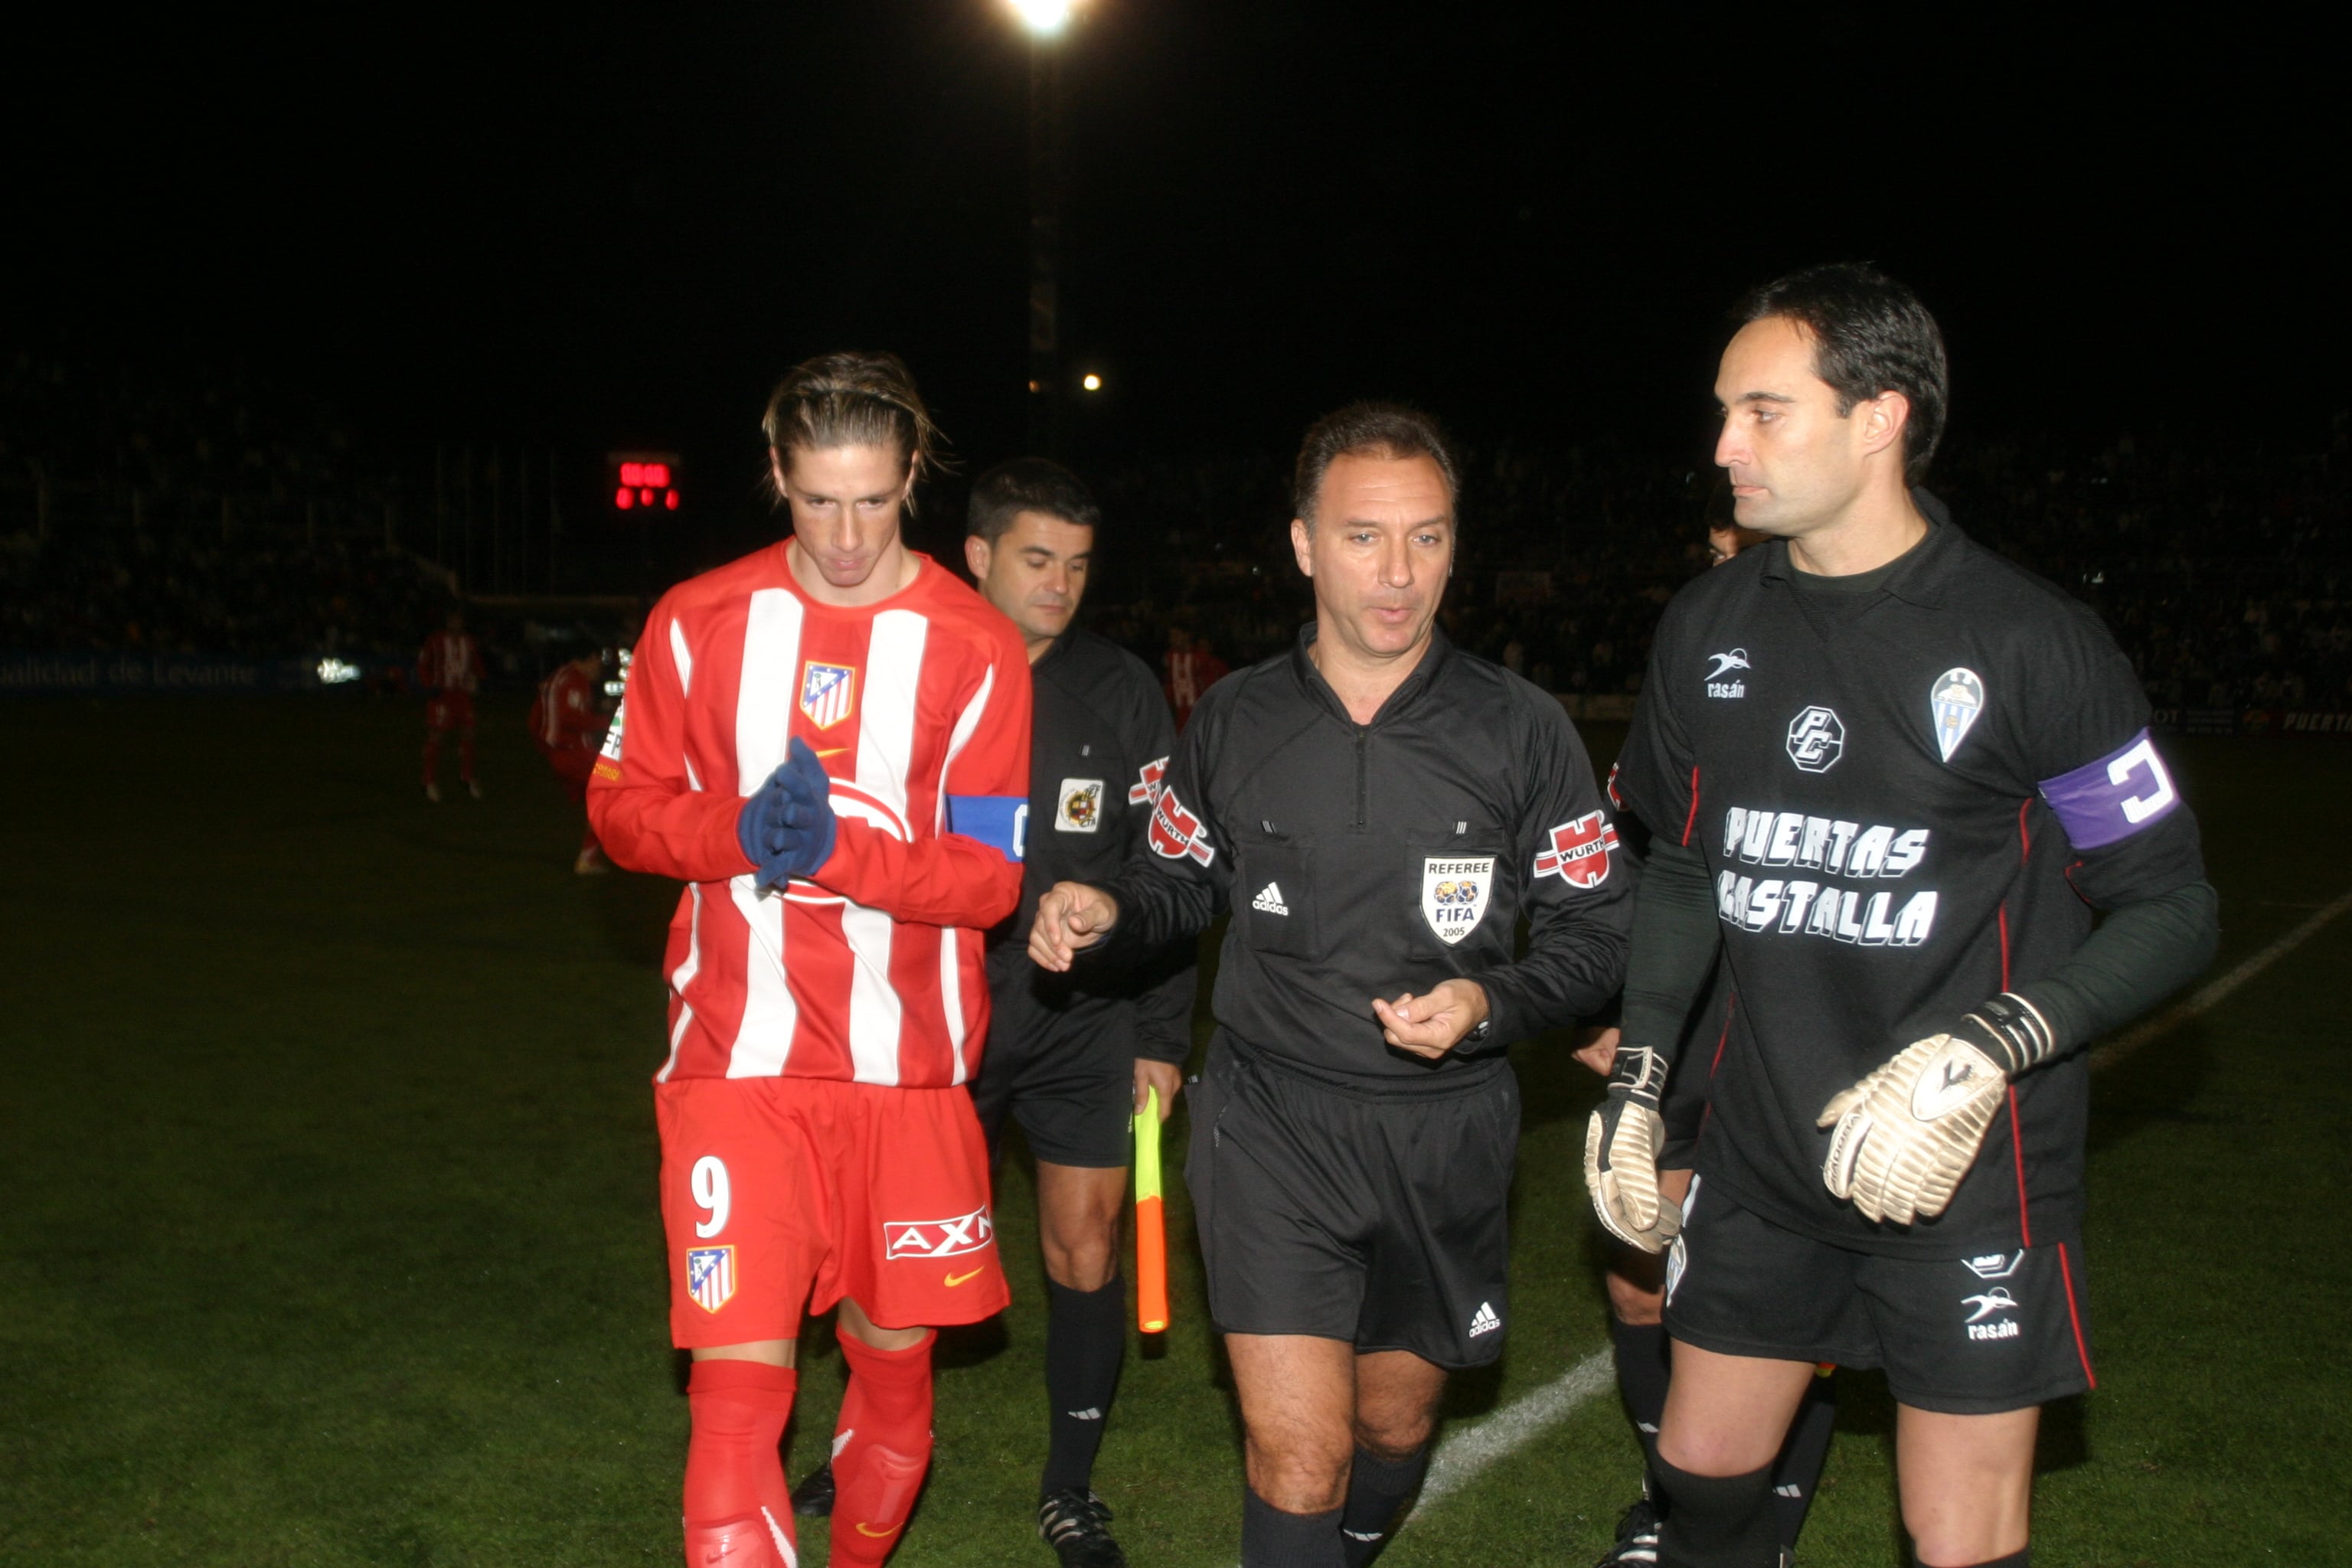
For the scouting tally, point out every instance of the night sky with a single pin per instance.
(603, 229)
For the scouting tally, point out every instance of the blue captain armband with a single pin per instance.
(2107, 801)
(999, 821)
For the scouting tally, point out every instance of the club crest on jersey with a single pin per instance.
(1580, 851)
(1954, 702)
(710, 1276)
(827, 691)
(939, 1238)
(1454, 895)
(1816, 739)
(1176, 832)
(1146, 787)
(1078, 805)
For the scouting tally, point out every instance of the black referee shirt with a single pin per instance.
(1909, 799)
(1099, 739)
(1372, 859)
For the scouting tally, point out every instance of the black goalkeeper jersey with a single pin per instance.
(1099, 738)
(1910, 800)
(1364, 859)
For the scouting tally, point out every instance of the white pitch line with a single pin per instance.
(1465, 1455)
(2210, 996)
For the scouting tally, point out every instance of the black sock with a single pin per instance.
(1377, 1488)
(1273, 1538)
(1797, 1473)
(1715, 1522)
(1086, 1340)
(1642, 1377)
(2020, 1558)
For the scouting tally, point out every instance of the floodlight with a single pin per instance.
(1045, 17)
(1092, 383)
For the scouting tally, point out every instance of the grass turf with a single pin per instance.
(329, 1234)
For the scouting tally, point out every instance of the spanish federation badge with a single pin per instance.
(1078, 805)
(1454, 895)
(1954, 702)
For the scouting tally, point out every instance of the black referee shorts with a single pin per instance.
(1376, 1218)
(1971, 1335)
(1066, 1073)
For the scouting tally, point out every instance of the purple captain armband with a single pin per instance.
(2107, 801)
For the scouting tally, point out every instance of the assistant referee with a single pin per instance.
(1379, 810)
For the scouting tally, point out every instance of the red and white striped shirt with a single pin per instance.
(566, 713)
(918, 706)
(449, 662)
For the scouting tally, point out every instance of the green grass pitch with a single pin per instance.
(328, 1231)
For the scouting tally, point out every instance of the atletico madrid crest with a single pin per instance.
(827, 691)
(710, 1276)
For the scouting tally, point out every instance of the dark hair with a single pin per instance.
(1870, 335)
(1028, 484)
(1387, 430)
(853, 400)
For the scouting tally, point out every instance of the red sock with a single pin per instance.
(738, 1512)
(432, 756)
(465, 756)
(881, 1446)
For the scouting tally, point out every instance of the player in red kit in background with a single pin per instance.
(567, 724)
(828, 742)
(1190, 668)
(449, 669)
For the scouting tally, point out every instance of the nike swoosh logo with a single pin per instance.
(956, 1279)
(864, 1528)
(835, 753)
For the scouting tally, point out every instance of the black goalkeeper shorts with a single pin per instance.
(1380, 1217)
(1966, 1336)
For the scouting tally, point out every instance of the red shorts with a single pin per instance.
(450, 710)
(778, 1192)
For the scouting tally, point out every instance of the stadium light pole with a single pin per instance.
(1046, 22)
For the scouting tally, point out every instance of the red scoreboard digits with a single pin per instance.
(644, 481)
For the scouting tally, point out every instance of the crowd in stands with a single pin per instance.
(2214, 563)
(2216, 566)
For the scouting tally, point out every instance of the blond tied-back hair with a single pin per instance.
(853, 400)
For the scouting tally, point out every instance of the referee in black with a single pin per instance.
(1889, 776)
(1379, 810)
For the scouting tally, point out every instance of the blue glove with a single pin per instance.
(786, 825)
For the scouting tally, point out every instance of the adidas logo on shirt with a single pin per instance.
(1091, 1413)
(1483, 1322)
(1269, 900)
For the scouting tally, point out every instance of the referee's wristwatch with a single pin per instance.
(1481, 1034)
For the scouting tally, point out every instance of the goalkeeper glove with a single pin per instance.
(786, 826)
(1906, 1134)
(1621, 1153)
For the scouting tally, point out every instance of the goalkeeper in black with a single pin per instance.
(1379, 810)
(1889, 777)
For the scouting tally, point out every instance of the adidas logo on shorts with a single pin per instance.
(1483, 1320)
(1269, 900)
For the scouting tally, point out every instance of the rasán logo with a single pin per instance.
(1718, 687)
(1816, 739)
